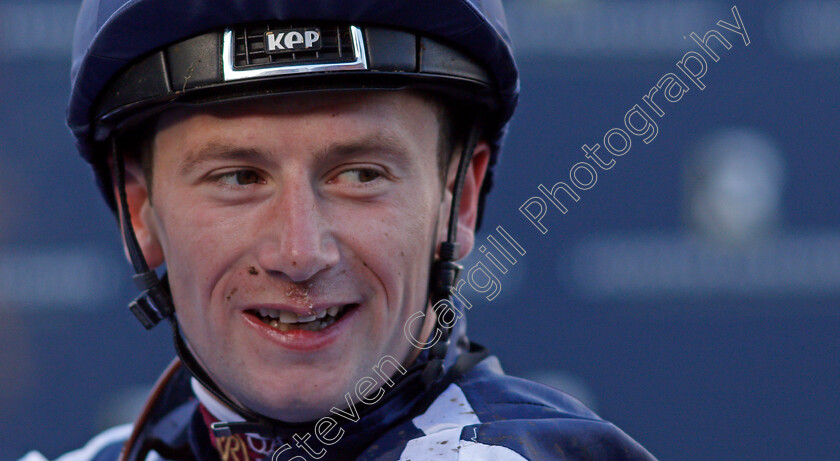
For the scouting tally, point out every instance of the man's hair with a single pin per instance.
(137, 143)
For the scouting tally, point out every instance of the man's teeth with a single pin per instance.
(285, 320)
(288, 317)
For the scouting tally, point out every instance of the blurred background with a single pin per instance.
(690, 296)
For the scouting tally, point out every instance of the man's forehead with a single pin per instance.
(388, 121)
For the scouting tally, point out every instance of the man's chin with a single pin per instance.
(292, 400)
(296, 410)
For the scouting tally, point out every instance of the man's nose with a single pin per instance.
(297, 240)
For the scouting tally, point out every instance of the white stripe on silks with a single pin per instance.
(153, 456)
(442, 423)
(449, 410)
(442, 446)
(447, 445)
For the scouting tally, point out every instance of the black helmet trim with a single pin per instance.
(236, 63)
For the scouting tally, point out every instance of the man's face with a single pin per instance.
(292, 207)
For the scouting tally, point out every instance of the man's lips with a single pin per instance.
(298, 310)
(289, 318)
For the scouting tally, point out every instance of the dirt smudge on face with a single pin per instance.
(301, 295)
(232, 292)
(253, 270)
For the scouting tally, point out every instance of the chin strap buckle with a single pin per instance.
(153, 304)
(445, 271)
(143, 307)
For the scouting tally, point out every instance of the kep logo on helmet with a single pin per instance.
(290, 40)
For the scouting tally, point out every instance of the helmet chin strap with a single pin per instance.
(154, 304)
(445, 270)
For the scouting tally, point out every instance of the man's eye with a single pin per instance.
(241, 178)
(361, 175)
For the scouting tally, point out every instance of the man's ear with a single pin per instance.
(468, 211)
(142, 215)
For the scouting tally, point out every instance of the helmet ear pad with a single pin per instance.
(143, 218)
(470, 194)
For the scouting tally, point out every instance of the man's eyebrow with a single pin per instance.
(215, 151)
(381, 142)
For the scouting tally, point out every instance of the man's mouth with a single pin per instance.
(288, 321)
